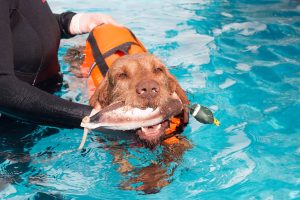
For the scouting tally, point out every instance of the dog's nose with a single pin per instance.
(147, 89)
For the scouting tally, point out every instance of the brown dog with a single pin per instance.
(142, 80)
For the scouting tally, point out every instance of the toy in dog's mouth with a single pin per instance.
(148, 123)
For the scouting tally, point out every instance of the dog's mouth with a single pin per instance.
(152, 133)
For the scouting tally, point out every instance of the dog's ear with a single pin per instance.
(175, 87)
(100, 98)
(74, 57)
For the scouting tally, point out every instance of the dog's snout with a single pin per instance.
(147, 89)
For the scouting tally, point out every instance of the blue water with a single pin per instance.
(240, 58)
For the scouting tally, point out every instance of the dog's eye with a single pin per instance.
(158, 70)
(122, 75)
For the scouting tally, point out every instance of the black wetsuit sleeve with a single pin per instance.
(21, 100)
(64, 20)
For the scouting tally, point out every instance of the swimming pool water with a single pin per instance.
(240, 58)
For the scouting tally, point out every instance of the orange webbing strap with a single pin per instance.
(174, 124)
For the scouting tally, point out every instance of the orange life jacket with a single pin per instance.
(104, 45)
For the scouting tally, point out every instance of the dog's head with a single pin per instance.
(140, 80)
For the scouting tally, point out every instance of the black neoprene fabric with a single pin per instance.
(29, 39)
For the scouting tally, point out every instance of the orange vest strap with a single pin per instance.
(137, 40)
(122, 47)
(98, 56)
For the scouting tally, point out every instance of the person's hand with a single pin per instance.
(85, 22)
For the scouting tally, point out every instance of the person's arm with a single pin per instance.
(85, 22)
(71, 24)
(64, 21)
(23, 101)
